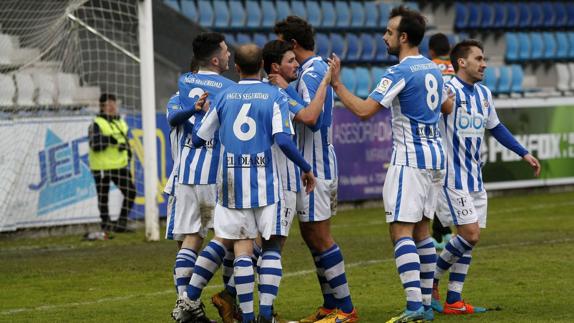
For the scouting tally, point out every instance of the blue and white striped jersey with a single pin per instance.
(176, 141)
(414, 90)
(200, 165)
(463, 132)
(315, 143)
(289, 172)
(247, 116)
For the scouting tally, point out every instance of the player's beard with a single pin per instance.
(393, 50)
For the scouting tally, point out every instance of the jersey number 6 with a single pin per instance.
(243, 119)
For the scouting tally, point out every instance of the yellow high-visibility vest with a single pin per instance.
(111, 157)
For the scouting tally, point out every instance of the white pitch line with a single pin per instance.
(291, 274)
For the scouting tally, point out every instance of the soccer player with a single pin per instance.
(439, 49)
(414, 91)
(463, 201)
(316, 209)
(197, 169)
(251, 117)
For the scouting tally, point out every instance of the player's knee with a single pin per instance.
(471, 236)
(273, 244)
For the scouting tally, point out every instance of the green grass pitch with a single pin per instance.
(524, 265)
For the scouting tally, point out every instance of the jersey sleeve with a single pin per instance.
(210, 122)
(492, 120)
(388, 88)
(280, 120)
(294, 106)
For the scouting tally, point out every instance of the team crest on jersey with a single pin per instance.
(175, 107)
(293, 102)
(485, 103)
(384, 85)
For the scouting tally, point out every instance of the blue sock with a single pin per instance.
(457, 276)
(270, 273)
(329, 301)
(206, 265)
(227, 271)
(332, 262)
(183, 269)
(427, 257)
(409, 267)
(244, 283)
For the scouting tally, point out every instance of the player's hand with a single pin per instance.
(328, 74)
(335, 64)
(534, 163)
(277, 80)
(202, 103)
(309, 181)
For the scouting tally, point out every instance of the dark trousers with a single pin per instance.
(123, 180)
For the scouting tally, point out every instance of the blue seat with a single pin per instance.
(452, 39)
(490, 78)
(511, 15)
(474, 13)
(523, 47)
(570, 12)
(260, 39)
(357, 14)
(222, 15)
(524, 15)
(269, 14)
(254, 14)
(283, 9)
(371, 14)
(189, 10)
(343, 14)
(384, 11)
(549, 46)
(412, 5)
(512, 48)
(536, 46)
(424, 46)
(322, 45)
(238, 18)
(363, 82)
(349, 79)
(487, 16)
(207, 16)
(172, 4)
(461, 15)
(230, 39)
(571, 45)
(243, 38)
(329, 17)
(517, 79)
(313, 13)
(377, 73)
(548, 15)
(353, 48)
(537, 16)
(561, 18)
(338, 46)
(298, 9)
(562, 45)
(499, 20)
(369, 49)
(504, 81)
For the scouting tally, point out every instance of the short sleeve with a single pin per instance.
(173, 105)
(281, 120)
(390, 85)
(293, 105)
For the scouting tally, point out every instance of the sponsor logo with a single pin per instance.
(384, 85)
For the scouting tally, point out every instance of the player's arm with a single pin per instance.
(179, 116)
(97, 140)
(205, 130)
(363, 109)
(448, 105)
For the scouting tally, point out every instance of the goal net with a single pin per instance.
(57, 58)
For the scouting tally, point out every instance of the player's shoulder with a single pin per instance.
(174, 99)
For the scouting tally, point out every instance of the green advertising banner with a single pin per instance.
(547, 132)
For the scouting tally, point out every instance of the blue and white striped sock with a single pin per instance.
(329, 301)
(270, 273)
(244, 283)
(332, 262)
(227, 271)
(427, 257)
(409, 267)
(453, 251)
(183, 269)
(256, 256)
(458, 273)
(206, 265)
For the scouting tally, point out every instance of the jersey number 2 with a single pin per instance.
(431, 85)
(244, 119)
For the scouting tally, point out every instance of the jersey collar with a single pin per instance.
(206, 72)
(411, 56)
(249, 81)
(306, 63)
(463, 84)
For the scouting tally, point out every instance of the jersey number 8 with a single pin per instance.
(431, 85)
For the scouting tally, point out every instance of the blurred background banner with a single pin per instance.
(547, 132)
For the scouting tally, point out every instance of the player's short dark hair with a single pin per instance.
(105, 97)
(439, 44)
(294, 27)
(412, 23)
(273, 52)
(462, 49)
(205, 45)
(249, 58)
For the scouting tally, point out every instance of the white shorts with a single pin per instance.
(194, 209)
(459, 207)
(320, 204)
(410, 193)
(171, 201)
(282, 223)
(241, 224)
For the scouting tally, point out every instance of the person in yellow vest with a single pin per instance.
(109, 157)
(439, 50)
